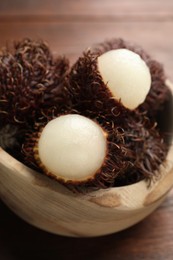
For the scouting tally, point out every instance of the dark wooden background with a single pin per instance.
(69, 27)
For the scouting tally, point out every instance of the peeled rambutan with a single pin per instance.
(87, 82)
(159, 90)
(68, 146)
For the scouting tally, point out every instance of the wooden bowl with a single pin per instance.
(48, 205)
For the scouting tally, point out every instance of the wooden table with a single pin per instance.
(69, 27)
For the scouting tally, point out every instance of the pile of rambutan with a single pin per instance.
(93, 125)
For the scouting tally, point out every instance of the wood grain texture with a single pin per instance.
(151, 239)
(90, 8)
(71, 39)
(69, 27)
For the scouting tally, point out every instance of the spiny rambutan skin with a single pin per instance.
(7, 137)
(87, 91)
(86, 82)
(159, 97)
(135, 152)
(148, 151)
(101, 179)
(159, 91)
(144, 148)
(11, 137)
(36, 88)
(31, 83)
(104, 178)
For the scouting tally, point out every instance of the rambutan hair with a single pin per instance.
(32, 82)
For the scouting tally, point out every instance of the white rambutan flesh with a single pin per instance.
(126, 75)
(72, 147)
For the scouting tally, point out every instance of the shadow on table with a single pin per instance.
(20, 241)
